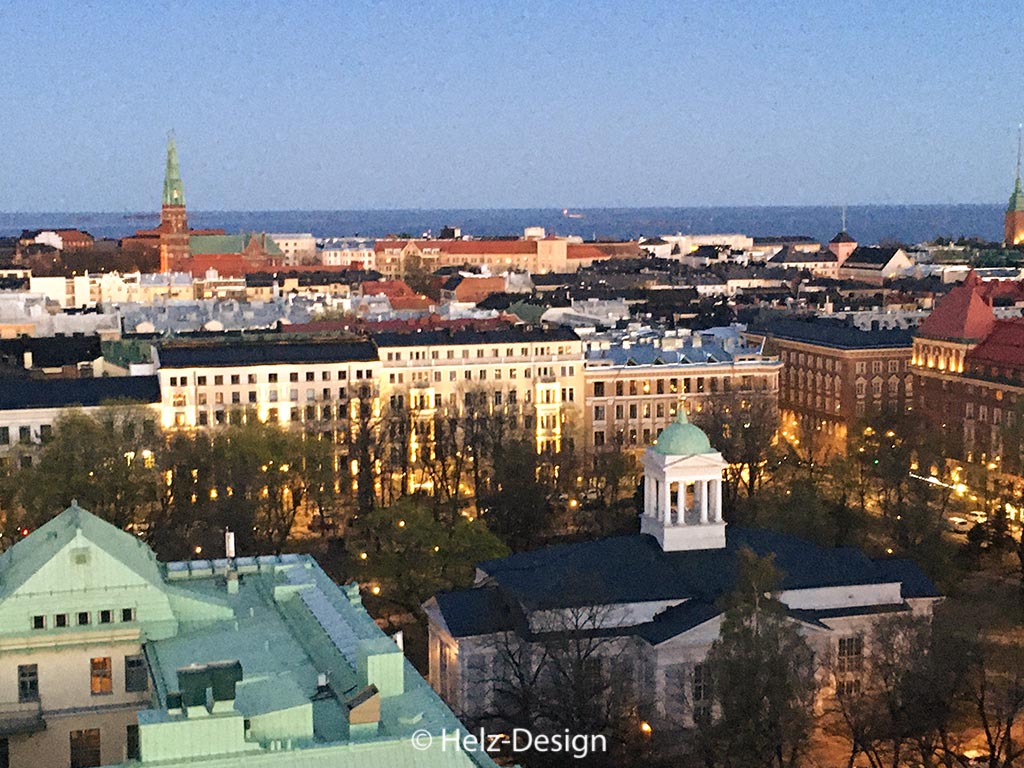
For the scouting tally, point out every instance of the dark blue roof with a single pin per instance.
(834, 333)
(634, 568)
(676, 620)
(480, 611)
(21, 394)
(264, 353)
(915, 583)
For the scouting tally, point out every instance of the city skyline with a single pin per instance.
(543, 105)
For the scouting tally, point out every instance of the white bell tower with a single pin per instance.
(683, 489)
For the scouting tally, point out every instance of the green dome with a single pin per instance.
(681, 438)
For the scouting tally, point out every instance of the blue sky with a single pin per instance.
(352, 104)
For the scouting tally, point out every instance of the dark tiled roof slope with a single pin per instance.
(22, 394)
(834, 333)
(264, 353)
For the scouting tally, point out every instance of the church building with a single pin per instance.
(655, 597)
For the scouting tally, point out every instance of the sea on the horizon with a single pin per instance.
(867, 223)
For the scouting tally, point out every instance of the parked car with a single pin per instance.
(960, 524)
(977, 516)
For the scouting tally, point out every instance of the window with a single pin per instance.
(5, 435)
(598, 413)
(127, 614)
(5, 753)
(60, 620)
(701, 694)
(131, 740)
(272, 378)
(218, 381)
(28, 683)
(106, 617)
(25, 434)
(135, 674)
(598, 438)
(598, 389)
(201, 381)
(85, 748)
(101, 681)
(38, 622)
(236, 379)
(252, 378)
(850, 659)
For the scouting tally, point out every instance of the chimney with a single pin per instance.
(364, 713)
(194, 681)
(174, 703)
(224, 677)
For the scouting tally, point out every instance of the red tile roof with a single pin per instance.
(1004, 346)
(965, 314)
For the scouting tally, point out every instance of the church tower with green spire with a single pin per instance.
(174, 246)
(1014, 223)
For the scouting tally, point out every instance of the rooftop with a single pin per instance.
(263, 352)
(305, 649)
(834, 333)
(456, 337)
(67, 393)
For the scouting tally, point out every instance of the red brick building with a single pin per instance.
(968, 367)
(835, 374)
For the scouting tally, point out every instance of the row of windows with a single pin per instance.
(481, 374)
(697, 384)
(101, 680)
(421, 354)
(25, 434)
(827, 363)
(82, 618)
(272, 378)
(636, 410)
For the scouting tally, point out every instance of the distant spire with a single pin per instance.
(1017, 198)
(174, 190)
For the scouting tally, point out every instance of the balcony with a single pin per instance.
(21, 718)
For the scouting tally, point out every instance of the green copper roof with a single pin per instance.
(27, 557)
(1017, 198)
(218, 244)
(174, 190)
(681, 438)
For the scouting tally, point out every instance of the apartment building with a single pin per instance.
(633, 390)
(534, 374)
(835, 373)
(313, 382)
(396, 258)
(109, 657)
(29, 408)
(297, 247)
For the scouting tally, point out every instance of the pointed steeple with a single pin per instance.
(174, 190)
(1017, 198)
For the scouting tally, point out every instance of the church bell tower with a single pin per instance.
(173, 219)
